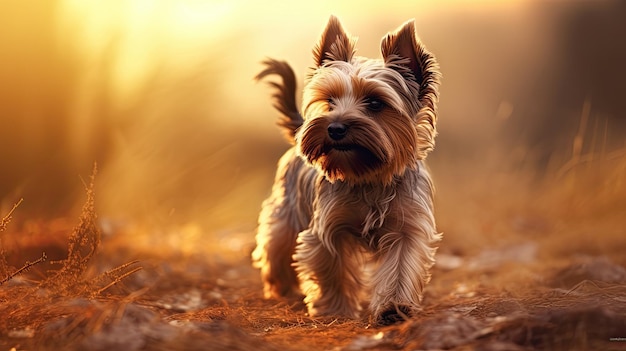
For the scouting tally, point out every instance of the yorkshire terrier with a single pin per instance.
(350, 216)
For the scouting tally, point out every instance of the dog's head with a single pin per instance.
(368, 120)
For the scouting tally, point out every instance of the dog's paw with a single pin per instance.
(394, 315)
(345, 312)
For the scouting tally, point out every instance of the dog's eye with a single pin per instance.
(374, 104)
(331, 104)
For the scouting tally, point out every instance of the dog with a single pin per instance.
(350, 216)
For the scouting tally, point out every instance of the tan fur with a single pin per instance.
(354, 190)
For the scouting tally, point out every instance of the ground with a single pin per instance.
(554, 281)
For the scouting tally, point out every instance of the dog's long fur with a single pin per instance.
(353, 189)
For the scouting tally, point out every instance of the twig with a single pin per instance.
(117, 278)
(6, 219)
(331, 323)
(28, 265)
(111, 272)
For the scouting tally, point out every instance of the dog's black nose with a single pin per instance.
(337, 131)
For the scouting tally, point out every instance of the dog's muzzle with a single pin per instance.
(337, 131)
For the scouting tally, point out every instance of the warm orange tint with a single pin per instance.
(529, 166)
(161, 95)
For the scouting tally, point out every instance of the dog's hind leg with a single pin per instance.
(276, 242)
(279, 224)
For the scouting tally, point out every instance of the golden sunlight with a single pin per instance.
(137, 36)
(529, 166)
(140, 36)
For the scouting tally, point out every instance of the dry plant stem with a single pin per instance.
(6, 219)
(28, 265)
(4, 267)
(83, 243)
(116, 276)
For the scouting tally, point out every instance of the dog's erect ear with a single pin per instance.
(403, 51)
(334, 45)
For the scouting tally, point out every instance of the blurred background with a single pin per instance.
(160, 94)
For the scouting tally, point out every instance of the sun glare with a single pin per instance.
(136, 36)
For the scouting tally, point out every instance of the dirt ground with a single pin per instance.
(553, 281)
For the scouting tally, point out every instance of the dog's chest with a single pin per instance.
(360, 210)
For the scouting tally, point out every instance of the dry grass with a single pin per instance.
(29, 305)
(540, 268)
(4, 267)
(554, 286)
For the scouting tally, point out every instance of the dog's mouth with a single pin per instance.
(352, 155)
(359, 154)
(340, 147)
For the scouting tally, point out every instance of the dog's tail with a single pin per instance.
(284, 97)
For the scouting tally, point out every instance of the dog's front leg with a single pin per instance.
(404, 261)
(329, 276)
